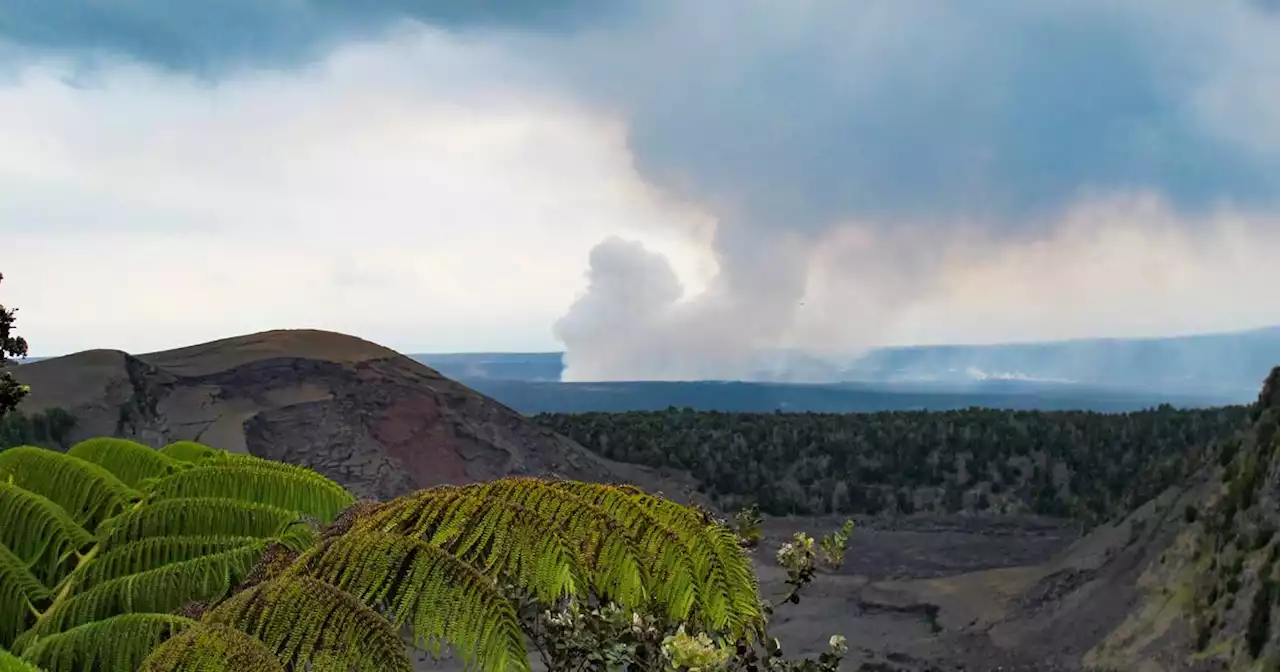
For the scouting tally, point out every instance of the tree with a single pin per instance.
(11, 392)
(172, 559)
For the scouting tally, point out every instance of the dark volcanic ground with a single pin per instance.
(905, 634)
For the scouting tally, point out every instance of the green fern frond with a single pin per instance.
(440, 596)
(300, 617)
(245, 458)
(671, 572)
(86, 491)
(633, 547)
(154, 552)
(729, 594)
(297, 490)
(211, 648)
(208, 516)
(197, 453)
(505, 540)
(116, 643)
(618, 563)
(129, 461)
(190, 451)
(160, 590)
(728, 597)
(12, 663)
(39, 533)
(20, 593)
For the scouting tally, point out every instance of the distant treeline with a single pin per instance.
(1085, 465)
(49, 429)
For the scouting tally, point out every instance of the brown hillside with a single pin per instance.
(372, 419)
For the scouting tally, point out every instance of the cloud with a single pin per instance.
(402, 190)
(1130, 262)
(865, 166)
(928, 127)
(216, 39)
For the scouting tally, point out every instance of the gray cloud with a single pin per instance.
(212, 39)
(901, 109)
(942, 122)
(928, 124)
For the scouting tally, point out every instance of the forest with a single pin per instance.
(50, 429)
(1085, 465)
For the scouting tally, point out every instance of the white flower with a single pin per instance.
(839, 644)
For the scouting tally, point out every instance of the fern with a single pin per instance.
(440, 596)
(208, 516)
(12, 663)
(211, 648)
(507, 541)
(722, 585)
(471, 519)
(39, 533)
(129, 461)
(84, 490)
(116, 643)
(299, 617)
(20, 593)
(230, 536)
(633, 547)
(154, 552)
(199, 454)
(673, 578)
(728, 592)
(190, 451)
(296, 490)
(159, 590)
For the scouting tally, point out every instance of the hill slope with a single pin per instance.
(1189, 581)
(370, 418)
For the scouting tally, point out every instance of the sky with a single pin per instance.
(662, 189)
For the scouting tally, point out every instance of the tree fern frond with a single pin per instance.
(160, 590)
(506, 541)
(116, 643)
(190, 451)
(296, 490)
(300, 617)
(12, 663)
(39, 533)
(129, 461)
(196, 453)
(670, 574)
(155, 552)
(692, 568)
(20, 593)
(209, 516)
(457, 518)
(628, 568)
(86, 491)
(349, 516)
(441, 597)
(211, 648)
(729, 595)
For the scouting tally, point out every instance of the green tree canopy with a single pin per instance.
(11, 345)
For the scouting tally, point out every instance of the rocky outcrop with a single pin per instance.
(376, 421)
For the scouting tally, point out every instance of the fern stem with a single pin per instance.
(67, 583)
